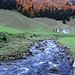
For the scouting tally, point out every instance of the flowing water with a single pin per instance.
(47, 58)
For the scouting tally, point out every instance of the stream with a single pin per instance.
(48, 58)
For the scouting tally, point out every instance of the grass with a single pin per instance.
(10, 30)
(70, 42)
(44, 33)
(19, 38)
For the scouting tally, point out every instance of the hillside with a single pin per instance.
(72, 23)
(13, 19)
(14, 22)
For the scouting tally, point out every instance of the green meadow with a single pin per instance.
(19, 37)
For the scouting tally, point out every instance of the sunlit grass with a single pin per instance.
(45, 33)
(10, 30)
(70, 42)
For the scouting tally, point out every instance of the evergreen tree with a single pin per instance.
(1, 4)
(64, 21)
(68, 18)
(41, 13)
(64, 17)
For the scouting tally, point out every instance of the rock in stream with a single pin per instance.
(49, 58)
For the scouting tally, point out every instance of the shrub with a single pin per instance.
(23, 11)
(19, 8)
(32, 14)
(4, 37)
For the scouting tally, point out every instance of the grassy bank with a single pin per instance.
(18, 41)
(70, 42)
(14, 42)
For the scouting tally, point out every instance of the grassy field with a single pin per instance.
(19, 33)
(10, 30)
(70, 42)
(68, 39)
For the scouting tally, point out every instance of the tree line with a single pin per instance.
(32, 9)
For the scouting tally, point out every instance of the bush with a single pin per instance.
(32, 14)
(20, 9)
(4, 37)
(23, 11)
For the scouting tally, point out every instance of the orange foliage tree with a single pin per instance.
(34, 5)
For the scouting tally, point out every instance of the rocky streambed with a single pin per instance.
(48, 58)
